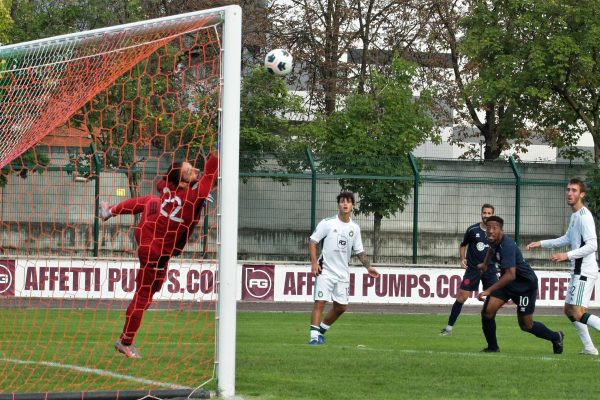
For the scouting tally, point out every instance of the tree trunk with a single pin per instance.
(491, 152)
(596, 136)
(376, 235)
(134, 187)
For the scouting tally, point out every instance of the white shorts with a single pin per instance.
(329, 288)
(580, 290)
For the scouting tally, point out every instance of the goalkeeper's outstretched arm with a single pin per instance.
(209, 176)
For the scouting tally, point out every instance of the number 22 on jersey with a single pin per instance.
(173, 204)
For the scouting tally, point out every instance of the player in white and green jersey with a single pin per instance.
(581, 237)
(341, 238)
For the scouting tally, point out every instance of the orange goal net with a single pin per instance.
(101, 116)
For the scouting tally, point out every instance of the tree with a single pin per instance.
(372, 136)
(22, 164)
(264, 128)
(319, 32)
(163, 102)
(6, 23)
(30, 161)
(323, 34)
(143, 107)
(495, 116)
(542, 55)
(158, 124)
(45, 18)
(258, 21)
(382, 27)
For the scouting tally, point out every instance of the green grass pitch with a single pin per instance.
(367, 356)
(384, 356)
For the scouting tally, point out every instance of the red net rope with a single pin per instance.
(144, 97)
(43, 84)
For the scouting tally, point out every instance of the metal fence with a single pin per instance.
(278, 211)
(51, 214)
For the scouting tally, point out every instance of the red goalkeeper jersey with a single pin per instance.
(167, 218)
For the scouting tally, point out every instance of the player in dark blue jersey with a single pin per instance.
(472, 250)
(518, 283)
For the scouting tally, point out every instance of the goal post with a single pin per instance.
(144, 94)
(229, 203)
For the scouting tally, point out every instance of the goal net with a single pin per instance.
(100, 116)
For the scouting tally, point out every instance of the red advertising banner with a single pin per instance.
(112, 279)
(7, 278)
(258, 282)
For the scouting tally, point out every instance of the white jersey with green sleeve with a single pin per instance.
(581, 236)
(340, 241)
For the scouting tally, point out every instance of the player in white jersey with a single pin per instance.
(581, 236)
(341, 238)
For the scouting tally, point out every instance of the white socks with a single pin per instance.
(314, 332)
(594, 322)
(584, 335)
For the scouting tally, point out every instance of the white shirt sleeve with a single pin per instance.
(320, 232)
(562, 241)
(558, 242)
(588, 234)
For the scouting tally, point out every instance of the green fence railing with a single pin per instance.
(424, 208)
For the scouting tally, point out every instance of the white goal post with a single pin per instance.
(228, 205)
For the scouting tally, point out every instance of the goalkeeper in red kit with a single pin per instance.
(164, 228)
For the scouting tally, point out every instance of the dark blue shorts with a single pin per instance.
(524, 300)
(472, 277)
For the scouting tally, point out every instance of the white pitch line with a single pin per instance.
(361, 347)
(96, 371)
(480, 354)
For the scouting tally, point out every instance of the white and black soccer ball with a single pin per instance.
(279, 62)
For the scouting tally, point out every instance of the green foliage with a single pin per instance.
(29, 161)
(149, 105)
(44, 18)
(4, 79)
(156, 103)
(6, 22)
(543, 57)
(373, 136)
(592, 196)
(265, 105)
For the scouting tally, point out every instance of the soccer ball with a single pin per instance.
(279, 62)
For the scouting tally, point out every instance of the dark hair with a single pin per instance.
(488, 205)
(174, 173)
(581, 183)
(497, 219)
(345, 194)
